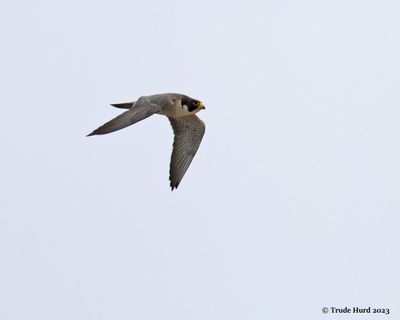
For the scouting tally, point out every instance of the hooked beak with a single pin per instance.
(201, 106)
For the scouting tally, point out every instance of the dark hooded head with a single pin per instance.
(192, 104)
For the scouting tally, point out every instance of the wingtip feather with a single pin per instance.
(173, 186)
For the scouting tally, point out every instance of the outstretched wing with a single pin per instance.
(188, 132)
(140, 110)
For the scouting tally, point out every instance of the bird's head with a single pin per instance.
(192, 105)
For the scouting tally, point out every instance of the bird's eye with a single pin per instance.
(196, 103)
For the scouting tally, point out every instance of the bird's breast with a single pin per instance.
(176, 110)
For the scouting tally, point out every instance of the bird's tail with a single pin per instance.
(124, 105)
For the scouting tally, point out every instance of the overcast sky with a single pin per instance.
(290, 205)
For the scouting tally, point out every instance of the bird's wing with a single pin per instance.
(140, 110)
(188, 132)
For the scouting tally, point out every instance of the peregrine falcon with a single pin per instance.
(180, 110)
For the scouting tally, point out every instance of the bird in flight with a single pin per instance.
(181, 111)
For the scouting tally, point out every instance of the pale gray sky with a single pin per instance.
(291, 204)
